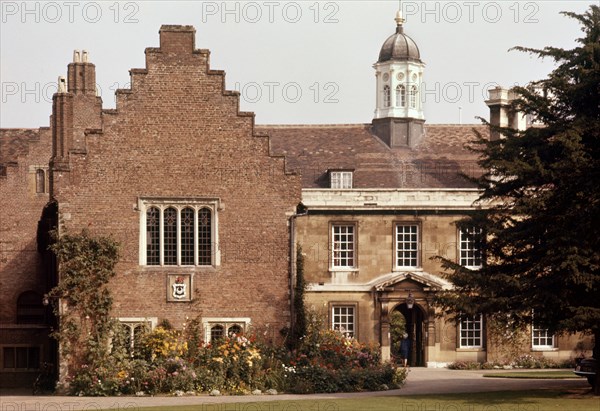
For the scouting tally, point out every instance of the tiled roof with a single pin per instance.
(14, 143)
(436, 163)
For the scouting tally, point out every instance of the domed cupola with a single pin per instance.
(400, 47)
(399, 116)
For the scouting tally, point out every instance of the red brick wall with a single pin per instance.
(20, 211)
(177, 133)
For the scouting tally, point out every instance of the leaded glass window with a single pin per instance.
(153, 236)
(178, 235)
(170, 236)
(187, 236)
(204, 237)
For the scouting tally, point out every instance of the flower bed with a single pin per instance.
(173, 362)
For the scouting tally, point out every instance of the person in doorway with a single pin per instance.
(404, 349)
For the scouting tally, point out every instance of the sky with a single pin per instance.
(294, 62)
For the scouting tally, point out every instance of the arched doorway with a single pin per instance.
(415, 327)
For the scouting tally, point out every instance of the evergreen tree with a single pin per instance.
(541, 202)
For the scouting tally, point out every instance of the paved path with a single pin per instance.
(420, 381)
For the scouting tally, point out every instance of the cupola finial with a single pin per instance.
(399, 19)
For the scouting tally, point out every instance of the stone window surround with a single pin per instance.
(476, 253)
(226, 322)
(469, 347)
(344, 304)
(543, 335)
(395, 242)
(133, 322)
(214, 204)
(354, 266)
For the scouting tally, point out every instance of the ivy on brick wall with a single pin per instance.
(86, 265)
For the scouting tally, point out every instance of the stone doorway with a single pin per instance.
(415, 327)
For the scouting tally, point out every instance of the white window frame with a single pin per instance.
(339, 319)
(467, 330)
(133, 322)
(334, 247)
(226, 323)
(413, 96)
(539, 334)
(401, 95)
(213, 204)
(341, 180)
(399, 249)
(467, 245)
(387, 96)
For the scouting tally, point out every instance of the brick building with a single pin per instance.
(204, 205)
(177, 175)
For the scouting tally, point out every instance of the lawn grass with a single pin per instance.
(533, 400)
(546, 375)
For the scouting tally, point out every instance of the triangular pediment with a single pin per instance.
(421, 278)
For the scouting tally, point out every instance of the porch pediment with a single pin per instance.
(424, 279)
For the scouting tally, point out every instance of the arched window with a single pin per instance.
(40, 181)
(387, 96)
(216, 332)
(234, 329)
(170, 236)
(413, 96)
(401, 95)
(30, 309)
(187, 236)
(204, 237)
(153, 236)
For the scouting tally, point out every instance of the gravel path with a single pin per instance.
(420, 381)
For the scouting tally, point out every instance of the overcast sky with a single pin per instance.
(295, 62)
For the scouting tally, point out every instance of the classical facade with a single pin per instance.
(208, 207)
(381, 200)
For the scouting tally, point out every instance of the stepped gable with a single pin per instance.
(435, 163)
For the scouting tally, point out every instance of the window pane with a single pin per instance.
(22, 357)
(541, 337)
(187, 236)
(407, 244)
(170, 236)
(386, 96)
(470, 247)
(413, 96)
(9, 357)
(40, 181)
(401, 95)
(343, 320)
(234, 329)
(471, 329)
(153, 236)
(204, 237)
(216, 332)
(343, 246)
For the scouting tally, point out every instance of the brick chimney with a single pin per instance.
(75, 109)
